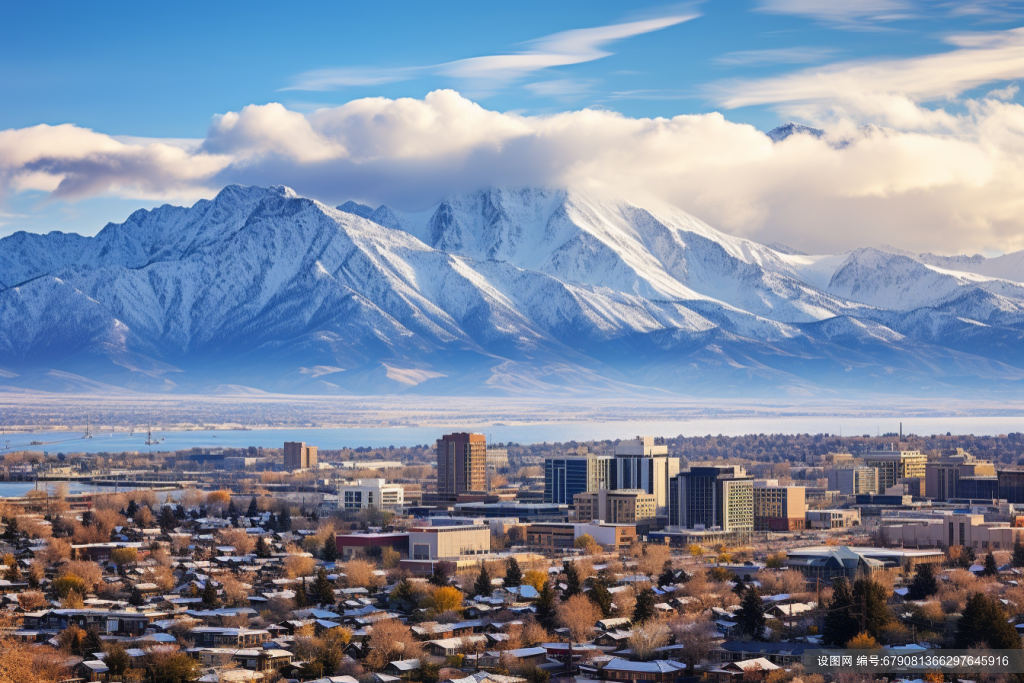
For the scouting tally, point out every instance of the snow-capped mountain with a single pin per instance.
(514, 290)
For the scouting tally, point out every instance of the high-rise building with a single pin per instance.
(1011, 485)
(895, 465)
(614, 507)
(713, 497)
(579, 472)
(853, 480)
(461, 463)
(943, 474)
(299, 456)
(641, 464)
(778, 508)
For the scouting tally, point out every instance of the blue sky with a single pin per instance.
(139, 70)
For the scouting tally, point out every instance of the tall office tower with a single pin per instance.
(299, 456)
(708, 497)
(778, 508)
(565, 476)
(640, 464)
(853, 480)
(894, 465)
(943, 474)
(461, 463)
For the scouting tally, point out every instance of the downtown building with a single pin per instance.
(778, 508)
(579, 472)
(959, 475)
(894, 466)
(623, 506)
(299, 456)
(461, 464)
(641, 464)
(713, 497)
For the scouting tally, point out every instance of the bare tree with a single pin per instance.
(647, 638)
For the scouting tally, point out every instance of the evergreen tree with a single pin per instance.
(167, 518)
(284, 520)
(330, 553)
(403, 594)
(439, 575)
(92, 642)
(924, 584)
(135, 598)
(1018, 554)
(12, 528)
(750, 616)
(301, 599)
(513, 574)
(87, 518)
(210, 598)
(232, 510)
(263, 548)
(117, 660)
(254, 508)
(572, 581)
(991, 569)
(984, 621)
(546, 607)
(967, 557)
(870, 597)
(483, 582)
(133, 509)
(271, 523)
(644, 610)
(600, 596)
(740, 587)
(668, 576)
(841, 624)
(323, 591)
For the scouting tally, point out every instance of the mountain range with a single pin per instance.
(496, 292)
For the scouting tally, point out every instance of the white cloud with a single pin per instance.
(844, 13)
(958, 190)
(785, 55)
(559, 49)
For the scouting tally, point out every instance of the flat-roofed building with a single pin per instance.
(370, 493)
(711, 497)
(832, 519)
(354, 544)
(853, 480)
(943, 474)
(563, 535)
(615, 507)
(778, 508)
(895, 465)
(299, 456)
(578, 472)
(448, 542)
(642, 464)
(461, 464)
(963, 529)
(829, 562)
(1011, 485)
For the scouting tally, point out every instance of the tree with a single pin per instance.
(167, 519)
(588, 544)
(984, 621)
(546, 607)
(483, 582)
(446, 599)
(210, 598)
(232, 510)
(123, 556)
(69, 583)
(750, 616)
(173, 667)
(263, 548)
(439, 574)
(133, 508)
(870, 598)
(697, 635)
(572, 581)
(991, 569)
(301, 599)
(117, 660)
(647, 638)
(135, 598)
(600, 596)
(330, 552)
(841, 624)
(644, 610)
(578, 614)
(513, 574)
(1018, 553)
(92, 642)
(535, 578)
(391, 640)
(740, 587)
(254, 508)
(322, 591)
(13, 573)
(284, 520)
(668, 576)
(862, 641)
(924, 584)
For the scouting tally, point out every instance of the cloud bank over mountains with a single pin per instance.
(938, 179)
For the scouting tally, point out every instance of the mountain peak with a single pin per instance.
(787, 130)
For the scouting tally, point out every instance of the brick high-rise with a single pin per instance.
(299, 456)
(461, 463)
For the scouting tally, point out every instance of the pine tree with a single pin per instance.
(301, 599)
(210, 598)
(984, 621)
(439, 575)
(991, 569)
(600, 596)
(668, 576)
(1018, 553)
(871, 598)
(330, 553)
(254, 508)
(644, 610)
(133, 509)
(572, 581)
(135, 598)
(513, 574)
(841, 624)
(284, 520)
(232, 510)
(750, 616)
(483, 582)
(263, 548)
(271, 523)
(740, 587)
(167, 518)
(92, 642)
(546, 606)
(323, 591)
(924, 584)
(402, 594)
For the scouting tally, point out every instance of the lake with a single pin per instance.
(376, 437)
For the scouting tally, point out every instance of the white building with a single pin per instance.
(368, 493)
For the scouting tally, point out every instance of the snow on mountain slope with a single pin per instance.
(498, 291)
